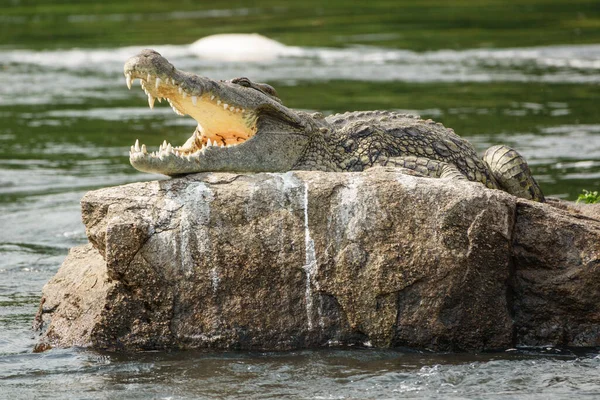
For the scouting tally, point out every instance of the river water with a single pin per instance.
(67, 121)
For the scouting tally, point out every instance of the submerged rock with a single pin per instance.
(306, 259)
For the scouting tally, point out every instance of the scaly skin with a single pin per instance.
(244, 127)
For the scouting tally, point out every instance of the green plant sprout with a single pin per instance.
(589, 197)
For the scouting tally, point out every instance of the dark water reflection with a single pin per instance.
(67, 121)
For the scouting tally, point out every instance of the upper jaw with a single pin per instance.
(160, 80)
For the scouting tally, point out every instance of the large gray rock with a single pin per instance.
(304, 259)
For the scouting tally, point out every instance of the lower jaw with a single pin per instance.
(166, 148)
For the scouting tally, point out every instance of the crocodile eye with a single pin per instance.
(242, 82)
(260, 87)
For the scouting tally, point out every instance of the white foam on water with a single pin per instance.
(566, 140)
(162, 16)
(227, 55)
(75, 75)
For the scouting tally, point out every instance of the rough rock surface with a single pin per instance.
(556, 282)
(306, 259)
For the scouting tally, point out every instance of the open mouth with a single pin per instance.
(219, 124)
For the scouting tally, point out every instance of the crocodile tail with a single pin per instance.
(512, 173)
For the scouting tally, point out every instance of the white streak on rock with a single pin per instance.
(294, 188)
(348, 208)
(310, 266)
(348, 212)
(215, 279)
(194, 219)
(408, 181)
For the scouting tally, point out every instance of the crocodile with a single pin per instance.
(243, 126)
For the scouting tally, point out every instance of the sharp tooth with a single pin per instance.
(218, 102)
(132, 150)
(184, 94)
(212, 96)
(173, 81)
(160, 99)
(144, 150)
(208, 143)
(142, 84)
(128, 81)
(164, 144)
(169, 148)
(180, 90)
(148, 77)
(137, 145)
(194, 100)
(150, 101)
(157, 84)
(225, 106)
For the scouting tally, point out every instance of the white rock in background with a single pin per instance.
(238, 47)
